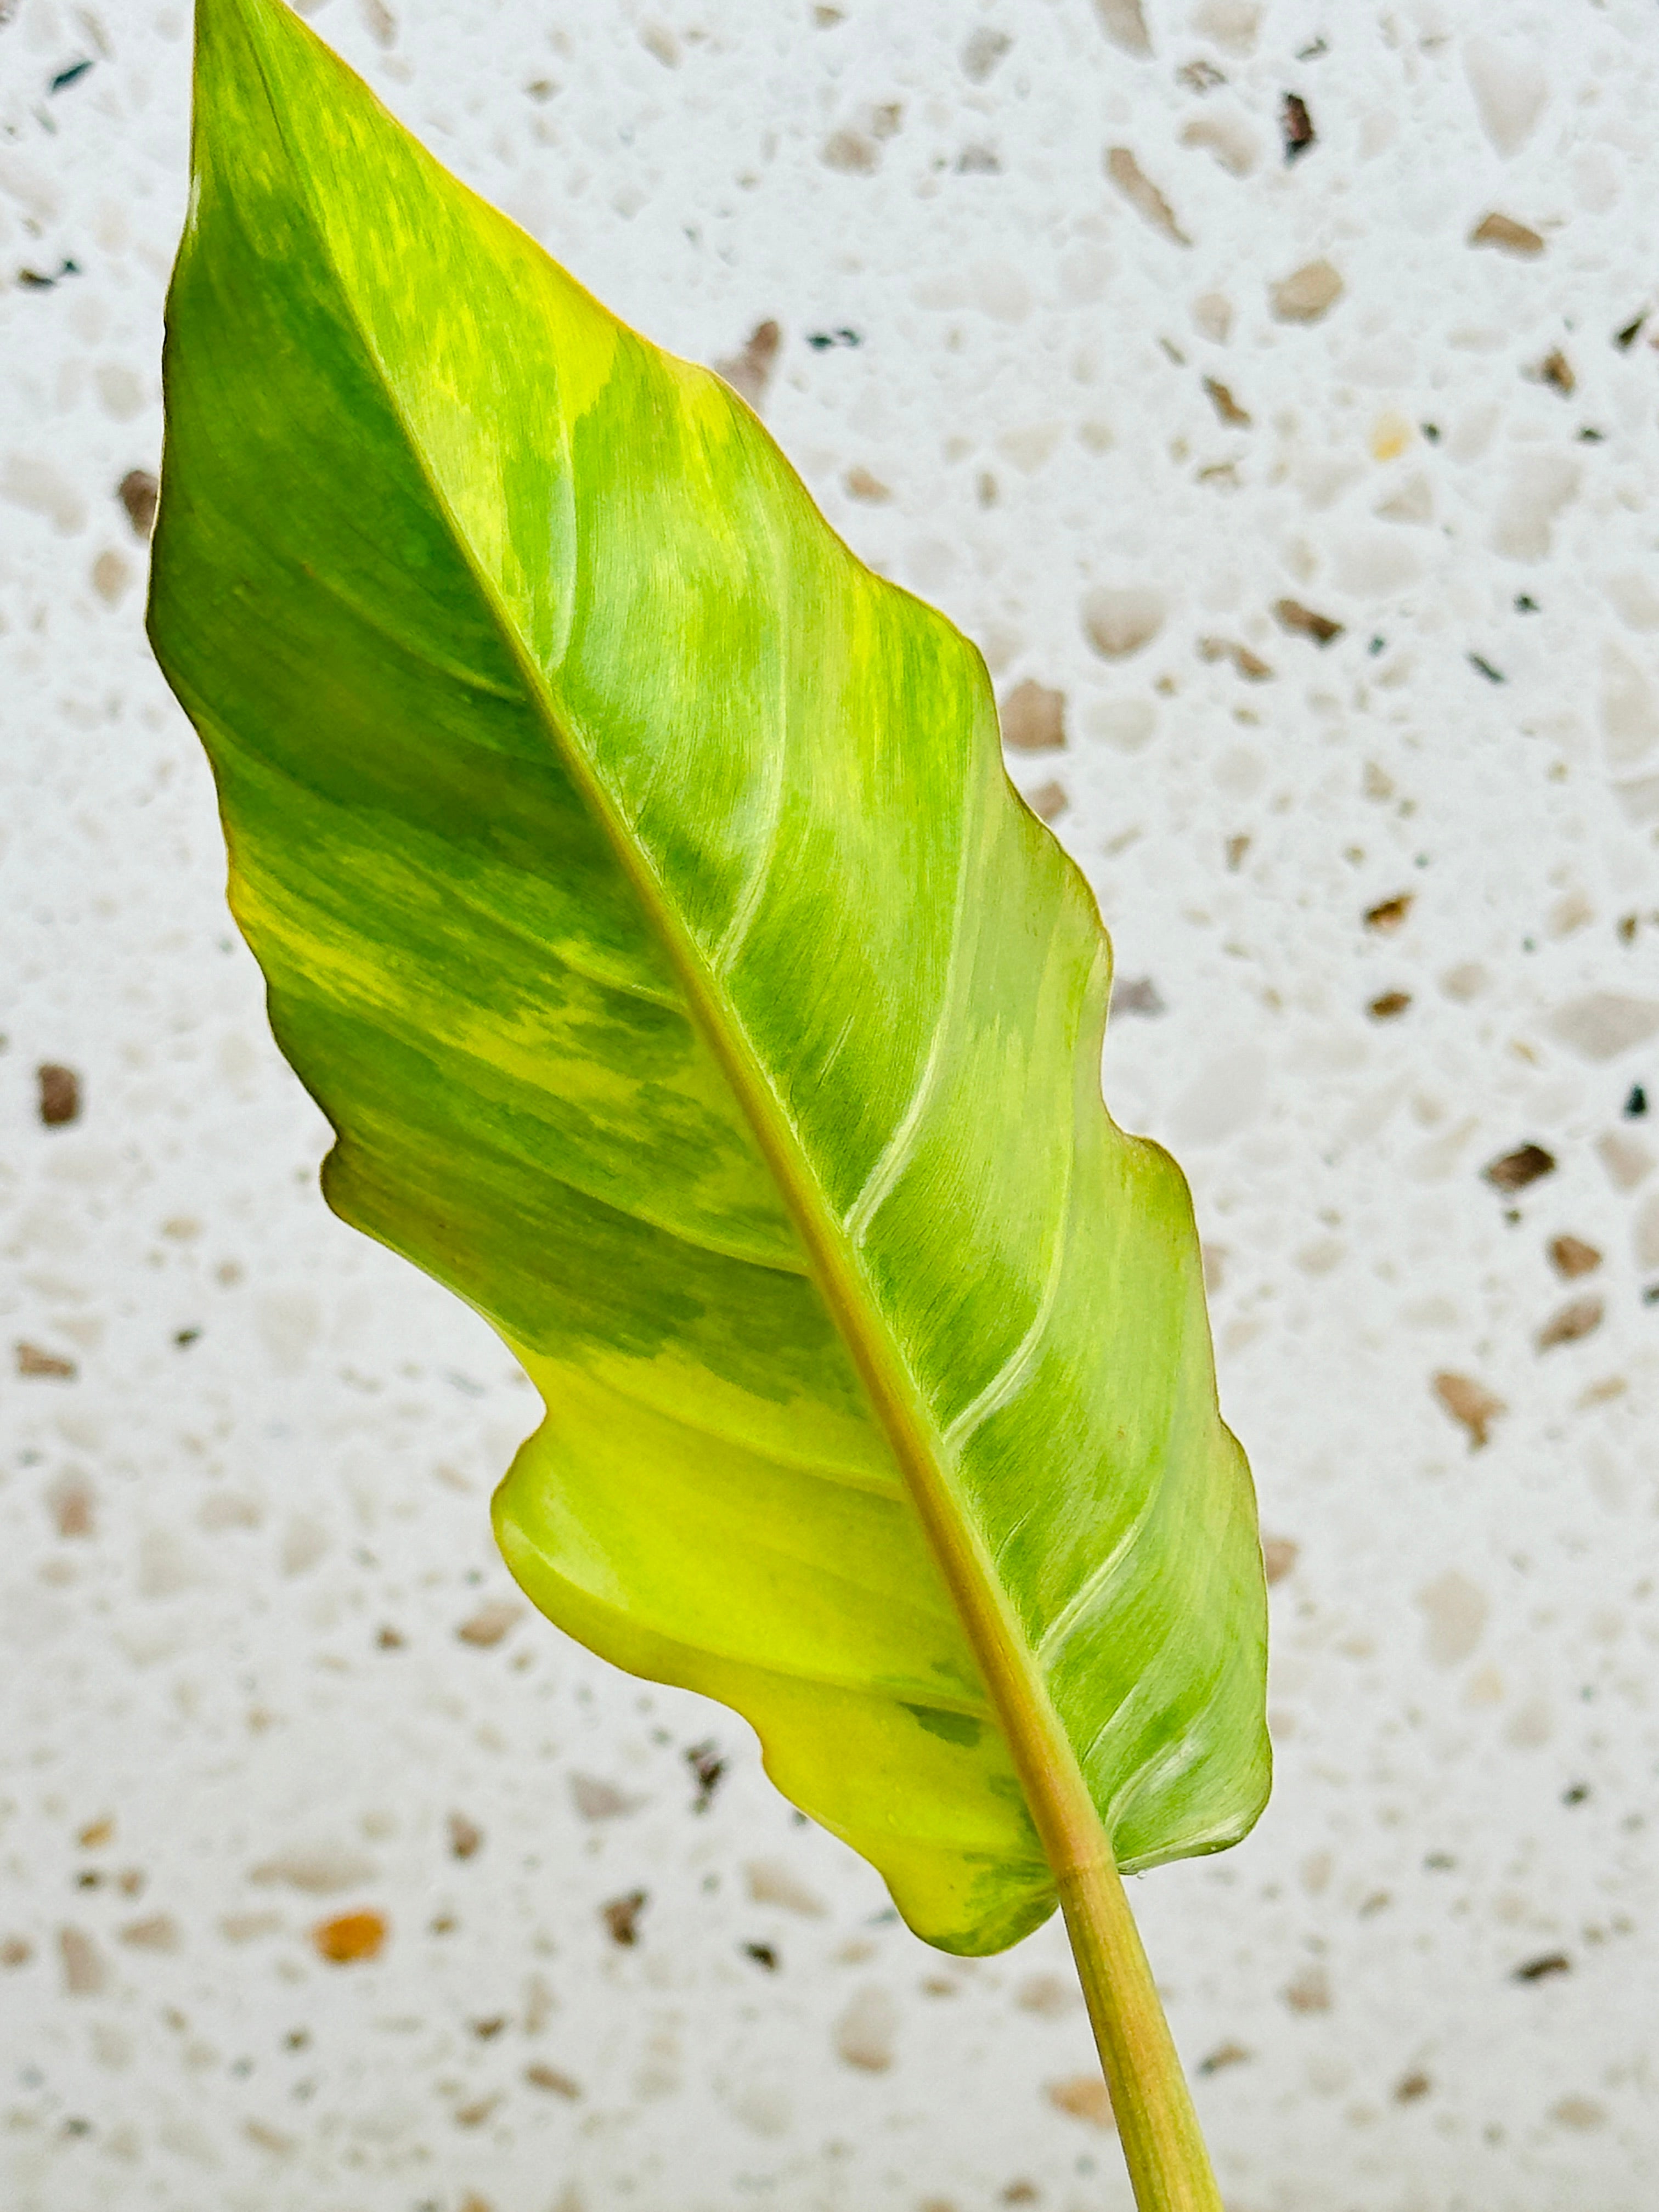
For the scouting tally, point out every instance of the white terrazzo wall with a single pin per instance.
(1068, 345)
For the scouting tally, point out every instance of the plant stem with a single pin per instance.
(1156, 2125)
(1169, 2165)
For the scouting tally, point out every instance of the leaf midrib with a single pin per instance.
(1051, 1774)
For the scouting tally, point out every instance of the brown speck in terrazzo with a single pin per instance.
(1303, 622)
(33, 1360)
(491, 1622)
(1279, 1557)
(1454, 1612)
(1388, 1005)
(379, 21)
(1470, 1403)
(1143, 195)
(1540, 1969)
(750, 373)
(269, 2138)
(1225, 2055)
(1295, 126)
(350, 1938)
(1033, 718)
(1212, 316)
(1051, 1996)
(59, 1095)
(160, 1932)
(248, 1927)
(1307, 295)
(1227, 409)
(1599, 1025)
(1311, 1990)
(541, 2076)
(622, 1917)
(1378, 784)
(1579, 1317)
(1118, 622)
(1604, 1392)
(1578, 2112)
(860, 484)
(865, 2032)
(1083, 2097)
(465, 1837)
(1250, 665)
(1411, 2087)
(1513, 1172)
(1021, 2192)
(1556, 370)
(984, 50)
(1227, 136)
(85, 1973)
(1627, 1160)
(1138, 994)
(850, 152)
(596, 1800)
(1389, 913)
(138, 493)
(1570, 1257)
(1507, 235)
(70, 1503)
(1047, 802)
(111, 574)
(772, 1882)
(315, 1869)
(708, 1770)
(1124, 22)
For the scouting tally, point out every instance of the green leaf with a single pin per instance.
(642, 899)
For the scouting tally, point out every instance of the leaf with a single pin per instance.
(641, 897)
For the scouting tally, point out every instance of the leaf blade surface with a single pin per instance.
(640, 896)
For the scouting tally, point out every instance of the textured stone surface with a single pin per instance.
(262, 1676)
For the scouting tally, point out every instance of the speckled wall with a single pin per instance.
(1272, 391)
